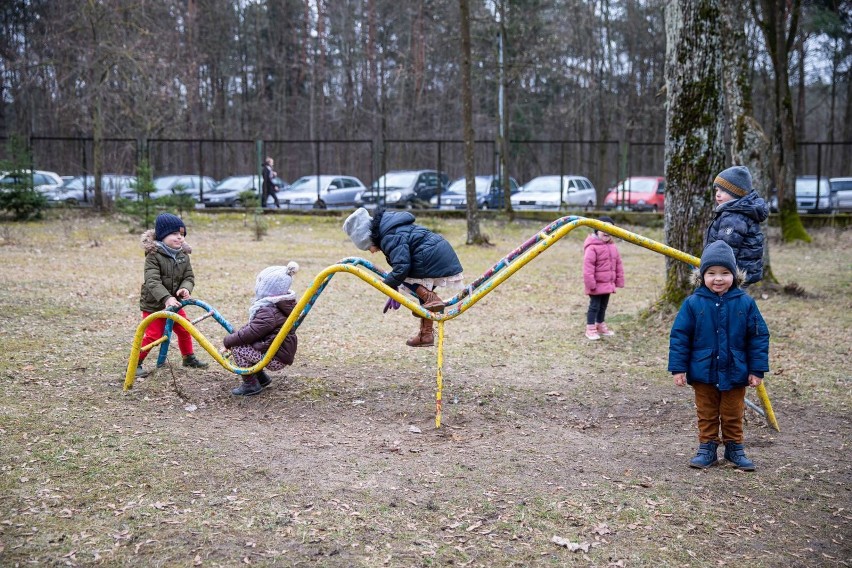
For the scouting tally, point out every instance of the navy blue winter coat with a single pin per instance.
(719, 340)
(412, 251)
(738, 224)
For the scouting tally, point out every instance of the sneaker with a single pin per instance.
(592, 332)
(140, 372)
(249, 387)
(192, 361)
(604, 330)
(263, 379)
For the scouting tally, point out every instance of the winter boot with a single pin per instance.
(592, 332)
(429, 299)
(706, 456)
(604, 330)
(735, 453)
(140, 372)
(192, 361)
(263, 379)
(425, 337)
(250, 386)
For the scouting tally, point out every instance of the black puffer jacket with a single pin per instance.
(262, 329)
(411, 250)
(738, 224)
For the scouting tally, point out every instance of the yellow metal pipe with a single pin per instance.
(767, 406)
(439, 392)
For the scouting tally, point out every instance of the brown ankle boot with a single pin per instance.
(425, 337)
(429, 299)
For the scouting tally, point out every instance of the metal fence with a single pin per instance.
(604, 162)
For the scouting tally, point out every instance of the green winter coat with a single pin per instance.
(164, 275)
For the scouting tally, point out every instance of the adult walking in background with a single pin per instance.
(269, 188)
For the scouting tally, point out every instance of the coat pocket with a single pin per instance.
(700, 365)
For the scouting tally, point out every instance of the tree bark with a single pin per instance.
(474, 236)
(694, 149)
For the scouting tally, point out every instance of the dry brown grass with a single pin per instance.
(545, 433)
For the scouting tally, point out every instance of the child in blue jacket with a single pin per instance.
(719, 344)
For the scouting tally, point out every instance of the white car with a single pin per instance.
(81, 189)
(40, 180)
(322, 192)
(841, 194)
(806, 195)
(554, 192)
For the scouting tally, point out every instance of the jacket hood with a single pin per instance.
(148, 241)
(752, 206)
(593, 240)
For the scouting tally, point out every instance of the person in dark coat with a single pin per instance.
(719, 344)
(274, 301)
(419, 259)
(168, 279)
(738, 215)
(268, 187)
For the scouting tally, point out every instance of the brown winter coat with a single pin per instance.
(164, 275)
(262, 329)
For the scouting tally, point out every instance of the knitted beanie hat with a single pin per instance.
(275, 280)
(735, 180)
(718, 253)
(357, 226)
(166, 224)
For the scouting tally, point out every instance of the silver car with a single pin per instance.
(322, 192)
(81, 189)
(554, 192)
(807, 200)
(841, 194)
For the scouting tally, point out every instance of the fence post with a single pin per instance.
(258, 144)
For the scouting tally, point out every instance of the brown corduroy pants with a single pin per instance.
(715, 409)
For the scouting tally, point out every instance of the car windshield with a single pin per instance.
(546, 184)
(396, 179)
(483, 184)
(845, 185)
(638, 185)
(810, 186)
(305, 183)
(165, 182)
(237, 182)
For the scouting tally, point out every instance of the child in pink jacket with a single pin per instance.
(602, 274)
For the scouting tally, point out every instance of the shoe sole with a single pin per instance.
(696, 466)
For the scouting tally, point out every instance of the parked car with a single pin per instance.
(806, 195)
(489, 193)
(227, 192)
(166, 186)
(404, 189)
(553, 192)
(841, 194)
(640, 193)
(321, 192)
(81, 189)
(39, 180)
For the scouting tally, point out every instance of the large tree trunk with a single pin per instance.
(694, 131)
(474, 237)
(778, 16)
(749, 145)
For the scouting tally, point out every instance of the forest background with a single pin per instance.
(378, 70)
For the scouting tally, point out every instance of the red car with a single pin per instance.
(643, 193)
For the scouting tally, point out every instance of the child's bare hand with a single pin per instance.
(183, 294)
(679, 379)
(172, 302)
(754, 381)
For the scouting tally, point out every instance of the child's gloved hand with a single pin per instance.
(391, 304)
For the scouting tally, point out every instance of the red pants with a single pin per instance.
(719, 409)
(155, 331)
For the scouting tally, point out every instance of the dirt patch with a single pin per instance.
(545, 434)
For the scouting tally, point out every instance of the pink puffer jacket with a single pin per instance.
(602, 269)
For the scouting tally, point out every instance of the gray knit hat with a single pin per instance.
(275, 280)
(718, 253)
(735, 180)
(357, 226)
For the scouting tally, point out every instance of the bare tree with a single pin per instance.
(694, 131)
(474, 236)
(778, 20)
